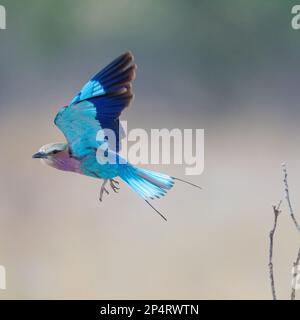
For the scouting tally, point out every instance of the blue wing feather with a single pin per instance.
(112, 78)
(91, 89)
(98, 106)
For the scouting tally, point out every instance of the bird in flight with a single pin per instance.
(95, 109)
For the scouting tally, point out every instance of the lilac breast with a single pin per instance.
(63, 161)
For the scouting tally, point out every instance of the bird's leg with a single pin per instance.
(113, 184)
(103, 189)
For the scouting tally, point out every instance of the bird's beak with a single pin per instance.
(40, 155)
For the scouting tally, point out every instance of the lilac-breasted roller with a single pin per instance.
(95, 108)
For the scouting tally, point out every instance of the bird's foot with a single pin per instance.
(103, 189)
(114, 185)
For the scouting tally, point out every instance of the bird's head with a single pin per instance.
(51, 152)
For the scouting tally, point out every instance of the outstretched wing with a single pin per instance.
(98, 106)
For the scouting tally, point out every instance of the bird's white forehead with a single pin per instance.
(53, 146)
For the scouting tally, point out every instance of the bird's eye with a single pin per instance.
(55, 151)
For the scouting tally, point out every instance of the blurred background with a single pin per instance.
(228, 67)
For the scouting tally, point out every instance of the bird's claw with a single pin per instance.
(113, 185)
(103, 189)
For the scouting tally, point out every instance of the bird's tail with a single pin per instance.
(148, 184)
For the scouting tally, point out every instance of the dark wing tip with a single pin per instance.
(128, 54)
(131, 71)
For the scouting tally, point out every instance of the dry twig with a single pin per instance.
(272, 232)
(295, 276)
(287, 197)
(292, 215)
(276, 210)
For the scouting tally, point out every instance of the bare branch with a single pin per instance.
(295, 275)
(291, 212)
(272, 232)
(287, 196)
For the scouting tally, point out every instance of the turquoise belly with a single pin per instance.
(90, 167)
